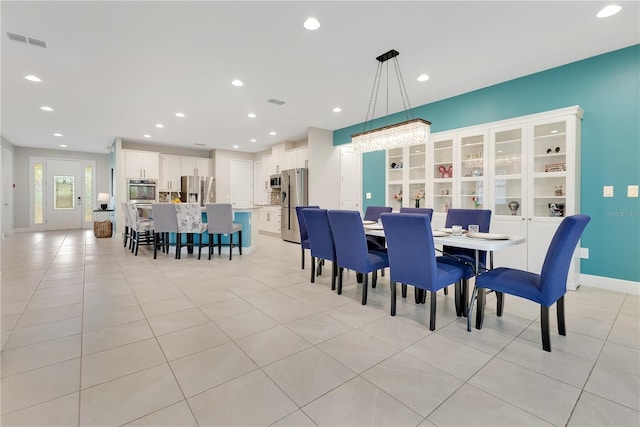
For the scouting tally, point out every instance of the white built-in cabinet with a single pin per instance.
(526, 170)
(198, 166)
(170, 173)
(270, 219)
(141, 164)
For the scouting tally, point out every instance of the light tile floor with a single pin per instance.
(92, 335)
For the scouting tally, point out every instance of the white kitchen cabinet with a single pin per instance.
(198, 166)
(141, 164)
(270, 218)
(170, 173)
(296, 158)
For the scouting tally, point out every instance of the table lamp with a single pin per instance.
(103, 199)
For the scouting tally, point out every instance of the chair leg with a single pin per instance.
(319, 269)
(340, 271)
(499, 303)
(404, 290)
(230, 245)
(137, 243)
(359, 277)
(382, 272)
(464, 296)
(200, 246)
(480, 308)
(240, 242)
(392, 287)
(374, 279)
(458, 300)
(560, 312)
(334, 273)
(210, 245)
(166, 242)
(432, 311)
(313, 269)
(156, 239)
(125, 235)
(544, 325)
(446, 290)
(365, 285)
(219, 244)
(178, 245)
(302, 256)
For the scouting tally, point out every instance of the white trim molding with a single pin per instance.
(611, 284)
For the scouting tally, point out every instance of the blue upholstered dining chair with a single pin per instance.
(423, 211)
(412, 258)
(372, 213)
(351, 249)
(545, 288)
(320, 242)
(164, 222)
(466, 258)
(304, 236)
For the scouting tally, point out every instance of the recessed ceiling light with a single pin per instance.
(237, 83)
(32, 78)
(253, 140)
(146, 135)
(236, 146)
(179, 114)
(337, 110)
(423, 78)
(272, 133)
(159, 125)
(57, 134)
(251, 116)
(63, 145)
(311, 24)
(45, 108)
(609, 11)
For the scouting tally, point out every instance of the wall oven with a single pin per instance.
(141, 190)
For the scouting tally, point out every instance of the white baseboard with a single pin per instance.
(608, 283)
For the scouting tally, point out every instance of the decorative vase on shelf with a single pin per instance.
(514, 206)
(417, 203)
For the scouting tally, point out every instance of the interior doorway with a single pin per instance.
(241, 183)
(6, 222)
(64, 195)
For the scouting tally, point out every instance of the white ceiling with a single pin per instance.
(118, 68)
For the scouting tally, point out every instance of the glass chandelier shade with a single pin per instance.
(412, 131)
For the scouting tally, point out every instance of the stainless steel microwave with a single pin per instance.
(275, 181)
(141, 190)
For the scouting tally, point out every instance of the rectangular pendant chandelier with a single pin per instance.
(412, 131)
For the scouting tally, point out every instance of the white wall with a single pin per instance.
(324, 169)
(21, 172)
(222, 167)
(6, 145)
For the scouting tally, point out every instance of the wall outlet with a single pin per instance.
(632, 191)
(584, 253)
(607, 191)
(368, 195)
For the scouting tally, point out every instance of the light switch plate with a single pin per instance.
(584, 253)
(607, 191)
(632, 191)
(368, 195)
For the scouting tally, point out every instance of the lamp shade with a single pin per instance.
(103, 199)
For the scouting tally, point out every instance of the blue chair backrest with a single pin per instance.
(301, 224)
(423, 211)
(464, 217)
(320, 237)
(373, 212)
(351, 243)
(412, 258)
(553, 278)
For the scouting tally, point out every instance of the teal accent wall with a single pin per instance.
(607, 87)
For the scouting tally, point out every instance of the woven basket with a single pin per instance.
(102, 228)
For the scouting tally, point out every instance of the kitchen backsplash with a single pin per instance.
(276, 197)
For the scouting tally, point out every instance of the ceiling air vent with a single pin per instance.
(24, 39)
(16, 37)
(36, 42)
(275, 101)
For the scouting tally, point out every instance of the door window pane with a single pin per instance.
(64, 188)
(88, 193)
(38, 196)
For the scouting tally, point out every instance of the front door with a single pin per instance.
(64, 194)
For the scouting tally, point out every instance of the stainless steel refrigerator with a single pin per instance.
(294, 188)
(198, 189)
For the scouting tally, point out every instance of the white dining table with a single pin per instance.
(476, 244)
